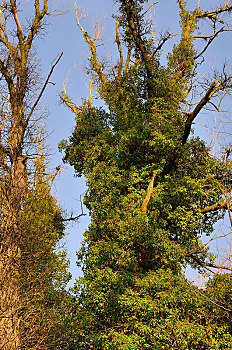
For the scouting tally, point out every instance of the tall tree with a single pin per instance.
(154, 190)
(32, 275)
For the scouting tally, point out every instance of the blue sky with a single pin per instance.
(62, 35)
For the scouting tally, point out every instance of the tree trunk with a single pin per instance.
(10, 254)
(10, 296)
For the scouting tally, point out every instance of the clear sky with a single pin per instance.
(62, 35)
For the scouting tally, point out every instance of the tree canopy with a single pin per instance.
(154, 190)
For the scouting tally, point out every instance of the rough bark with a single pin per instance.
(16, 72)
(10, 253)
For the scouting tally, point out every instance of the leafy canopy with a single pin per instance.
(153, 192)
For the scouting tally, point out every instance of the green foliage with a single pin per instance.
(44, 266)
(133, 294)
(182, 59)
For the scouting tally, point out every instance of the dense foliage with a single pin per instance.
(153, 193)
(44, 265)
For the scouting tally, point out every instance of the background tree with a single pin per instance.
(154, 190)
(33, 274)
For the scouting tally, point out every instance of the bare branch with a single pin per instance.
(161, 44)
(57, 171)
(127, 59)
(92, 46)
(211, 38)
(65, 99)
(16, 16)
(206, 265)
(19, 32)
(191, 116)
(149, 193)
(119, 49)
(74, 218)
(154, 3)
(36, 23)
(217, 237)
(53, 65)
(210, 14)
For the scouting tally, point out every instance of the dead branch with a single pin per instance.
(119, 49)
(217, 237)
(161, 44)
(53, 177)
(77, 217)
(53, 65)
(191, 116)
(212, 14)
(149, 193)
(127, 59)
(211, 39)
(92, 47)
(207, 265)
(65, 99)
(150, 6)
(74, 218)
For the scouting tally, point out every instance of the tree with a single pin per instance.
(33, 273)
(154, 190)
(43, 267)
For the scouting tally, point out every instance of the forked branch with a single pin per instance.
(191, 116)
(95, 66)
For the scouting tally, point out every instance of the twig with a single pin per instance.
(75, 218)
(71, 218)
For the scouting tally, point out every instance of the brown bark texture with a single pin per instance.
(17, 107)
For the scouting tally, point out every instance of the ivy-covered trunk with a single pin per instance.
(154, 190)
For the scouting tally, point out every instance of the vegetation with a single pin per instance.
(154, 190)
(33, 274)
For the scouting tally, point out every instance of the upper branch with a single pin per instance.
(19, 31)
(128, 57)
(53, 65)
(39, 15)
(191, 116)
(139, 42)
(210, 40)
(210, 14)
(120, 51)
(92, 46)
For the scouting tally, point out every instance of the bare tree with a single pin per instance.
(18, 103)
